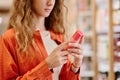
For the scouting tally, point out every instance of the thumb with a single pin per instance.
(62, 46)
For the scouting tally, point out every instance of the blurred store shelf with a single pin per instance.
(87, 74)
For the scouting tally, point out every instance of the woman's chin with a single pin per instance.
(47, 15)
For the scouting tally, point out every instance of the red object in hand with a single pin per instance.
(77, 36)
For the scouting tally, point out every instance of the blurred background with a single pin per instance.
(100, 22)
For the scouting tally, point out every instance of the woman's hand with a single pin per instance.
(58, 56)
(75, 49)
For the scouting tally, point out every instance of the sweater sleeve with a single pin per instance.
(67, 74)
(40, 72)
(9, 69)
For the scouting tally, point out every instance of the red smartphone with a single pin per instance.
(77, 36)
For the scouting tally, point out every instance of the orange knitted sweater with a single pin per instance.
(14, 66)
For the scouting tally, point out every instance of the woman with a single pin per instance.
(33, 46)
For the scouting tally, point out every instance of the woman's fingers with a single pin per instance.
(75, 51)
(62, 46)
(75, 48)
(75, 45)
(64, 59)
(64, 53)
(78, 58)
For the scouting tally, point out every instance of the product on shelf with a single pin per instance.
(116, 19)
(116, 4)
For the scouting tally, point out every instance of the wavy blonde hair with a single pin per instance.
(23, 20)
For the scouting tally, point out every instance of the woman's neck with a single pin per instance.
(40, 24)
